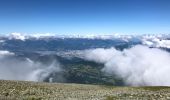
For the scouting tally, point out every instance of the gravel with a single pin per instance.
(23, 90)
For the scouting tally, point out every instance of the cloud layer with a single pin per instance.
(25, 69)
(138, 66)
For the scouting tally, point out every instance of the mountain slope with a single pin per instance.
(21, 90)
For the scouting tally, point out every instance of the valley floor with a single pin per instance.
(21, 90)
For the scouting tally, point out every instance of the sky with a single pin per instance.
(85, 16)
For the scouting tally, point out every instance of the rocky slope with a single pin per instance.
(21, 90)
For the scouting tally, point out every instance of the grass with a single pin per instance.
(22, 90)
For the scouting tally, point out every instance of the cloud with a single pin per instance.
(100, 55)
(4, 53)
(156, 41)
(17, 36)
(42, 35)
(25, 69)
(2, 41)
(24, 36)
(138, 66)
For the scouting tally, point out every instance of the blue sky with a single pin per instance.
(85, 16)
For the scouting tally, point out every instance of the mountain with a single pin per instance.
(61, 58)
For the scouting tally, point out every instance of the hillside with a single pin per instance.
(22, 90)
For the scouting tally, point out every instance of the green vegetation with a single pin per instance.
(77, 70)
(21, 90)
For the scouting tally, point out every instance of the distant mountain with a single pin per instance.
(88, 41)
(58, 58)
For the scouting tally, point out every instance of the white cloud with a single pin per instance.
(23, 36)
(39, 35)
(157, 41)
(3, 53)
(12, 68)
(17, 36)
(2, 41)
(138, 65)
(100, 55)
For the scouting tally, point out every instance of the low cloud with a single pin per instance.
(25, 69)
(138, 66)
(156, 42)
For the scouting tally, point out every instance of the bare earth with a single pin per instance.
(20, 90)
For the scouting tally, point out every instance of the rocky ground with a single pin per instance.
(19, 90)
